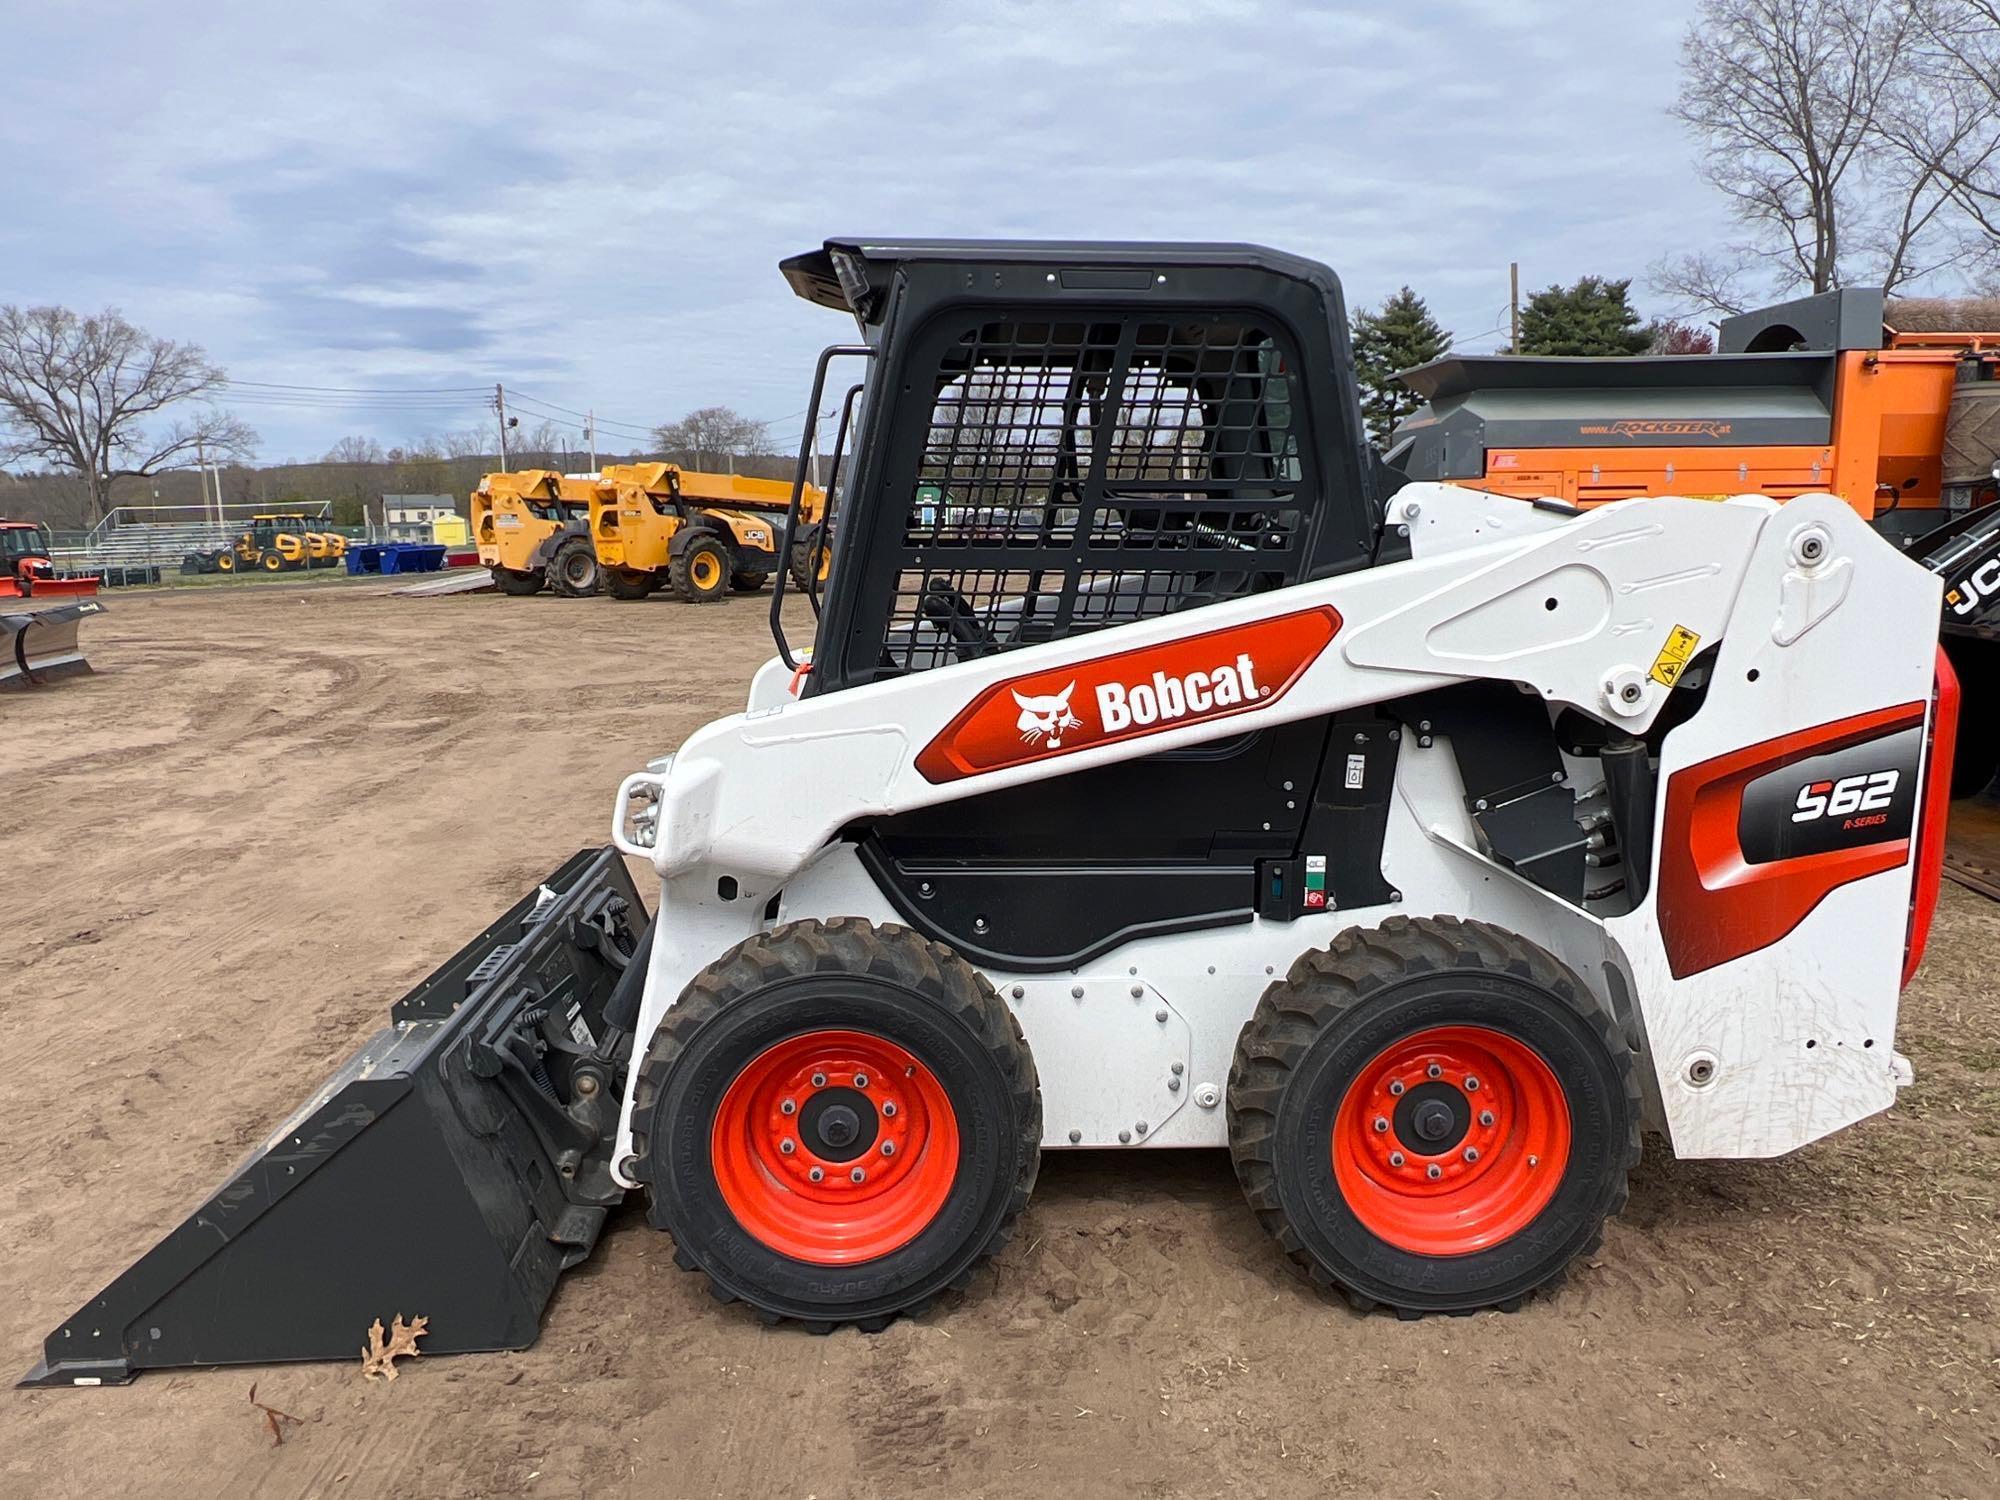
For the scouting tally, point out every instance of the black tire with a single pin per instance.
(699, 574)
(271, 562)
(805, 558)
(628, 583)
(785, 986)
(225, 562)
(748, 580)
(572, 568)
(516, 581)
(1328, 1024)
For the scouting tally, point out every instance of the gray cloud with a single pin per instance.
(590, 202)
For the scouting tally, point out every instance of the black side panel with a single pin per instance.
(1042, 917)
(451, 1169)
(1285, 823)
(1072, 865)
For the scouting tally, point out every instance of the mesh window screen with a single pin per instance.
(1076, 475)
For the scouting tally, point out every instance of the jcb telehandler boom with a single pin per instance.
(1167, 774)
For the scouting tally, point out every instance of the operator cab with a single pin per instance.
(1080, 436)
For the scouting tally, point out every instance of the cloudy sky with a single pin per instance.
(588, 200)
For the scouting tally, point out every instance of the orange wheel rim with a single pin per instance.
(705, 570)
(835, 1147)
(1451, 1140)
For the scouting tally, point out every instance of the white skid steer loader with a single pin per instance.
(1163, 774)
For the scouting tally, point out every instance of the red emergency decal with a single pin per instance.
(1137, 692)
(1737, 873)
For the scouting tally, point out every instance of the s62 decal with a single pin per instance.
(1863, 794)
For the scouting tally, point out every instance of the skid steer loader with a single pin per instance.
(659, 526)
(1171, 776)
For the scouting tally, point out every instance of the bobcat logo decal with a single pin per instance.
(1046, 717)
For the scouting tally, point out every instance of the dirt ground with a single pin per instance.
(276, 807)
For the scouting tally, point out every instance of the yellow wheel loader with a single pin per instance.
(702, 535)
(532, 530)
(276, 542)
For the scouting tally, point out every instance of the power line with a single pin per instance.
(364, 390)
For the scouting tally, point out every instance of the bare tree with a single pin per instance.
(1955, 112)
(706, 436)
(79, 393)
(466, 442)
(355, 450)
(1839, 155)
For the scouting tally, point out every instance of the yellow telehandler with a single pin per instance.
(532, 530)
(658, 525)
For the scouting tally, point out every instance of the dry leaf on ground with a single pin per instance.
(273, 1418)
(379, 1355)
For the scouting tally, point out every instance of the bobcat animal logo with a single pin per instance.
(1047, 717)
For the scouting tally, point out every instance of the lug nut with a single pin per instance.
(1396, 1086)
(1434, 1171)
(857, 1175)
(1435, 1070)
(788, 1145)
(1472, 1153)
(888, 1148)
(1534, 1161)
(861, 1080)
(1381, 1124)
(815, 1174)
(1486, 1117)
(1472, 1085)
(889, 1109)
(1395, 1158)
(788, 1108)
(819, 1080)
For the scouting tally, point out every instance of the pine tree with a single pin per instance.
(1593, 317)
(1397, 336)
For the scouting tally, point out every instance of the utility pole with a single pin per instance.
(590, 432)
(500, 406)
(1514, 305)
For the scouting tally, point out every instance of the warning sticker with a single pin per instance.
(1674, 656)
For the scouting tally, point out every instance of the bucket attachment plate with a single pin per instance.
(40, 646)
(452, 1169)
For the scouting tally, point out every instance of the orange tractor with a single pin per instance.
(40, 645)
(27, 571)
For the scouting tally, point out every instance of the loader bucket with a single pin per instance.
(40, 646)
(451, 1169)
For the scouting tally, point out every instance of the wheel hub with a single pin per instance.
(838, 1124)
(1431, 1118)
(1476, 1139)
(835, 1146)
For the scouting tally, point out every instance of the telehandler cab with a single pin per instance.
(1165, 772)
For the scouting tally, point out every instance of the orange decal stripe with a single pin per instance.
(1147, 690)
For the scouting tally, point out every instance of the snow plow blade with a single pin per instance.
(40, 646)
(451, 1169)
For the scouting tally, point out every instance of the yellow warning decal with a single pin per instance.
(1674, 656)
